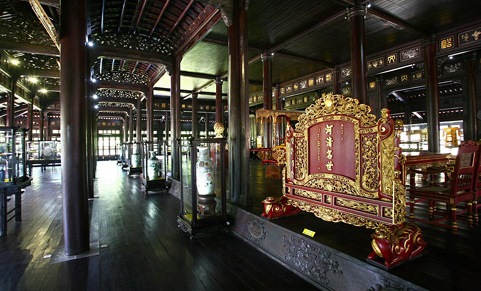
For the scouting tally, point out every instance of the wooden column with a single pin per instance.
(267, 94)
(11, 99)
(267, 79)
(219, 108)
(432, 97)
(206, 127)
(167, 127)
(126, 129)
(40, 125)
(150, 117)
(336, 85)
(470, 123)
(356, 16)
(30, 115)
(175, 117)
(72, 106)
(91, 161)
(239, 130)
(131, 124)
(47, 129)
(138, 121)
(195, 130)
(277, 96)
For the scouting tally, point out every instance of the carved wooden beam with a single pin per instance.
(46, 22)
(119, 86)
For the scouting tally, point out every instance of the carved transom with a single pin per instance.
(133, 41)
(114, 104)
(123, 76)
(108, 93)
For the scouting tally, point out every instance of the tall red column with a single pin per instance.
(73, 108)
(195, 130)
(175, 117)
(432, 95)
(239, 130)
(11, 99)
(219, 108)
(150, 117)
(470, 124)
(356, 16)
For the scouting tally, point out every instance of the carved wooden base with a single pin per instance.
(276, 207)
(397, 244)
(206, 204)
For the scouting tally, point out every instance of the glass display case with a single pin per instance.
(13, 157)
(49, 150)
(13, 176)
(42, 154)
(123, 155)
(203, 186)
(135, 163)
(154, 168)
(414, 137)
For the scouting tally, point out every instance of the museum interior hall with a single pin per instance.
(240, 145)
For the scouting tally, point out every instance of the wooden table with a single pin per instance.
(41, 163)
(424, 160)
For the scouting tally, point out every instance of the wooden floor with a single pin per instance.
(135, 245)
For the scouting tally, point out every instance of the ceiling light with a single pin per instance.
(14, 62)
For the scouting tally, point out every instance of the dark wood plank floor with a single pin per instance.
(136, 245)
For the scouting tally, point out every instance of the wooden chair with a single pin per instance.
(477, 186)
(458, 189)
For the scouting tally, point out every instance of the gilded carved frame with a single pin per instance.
(372, 194)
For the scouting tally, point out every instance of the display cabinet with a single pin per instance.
(154, 168)
(135, 163)
(123, 154)
(42, 154)
(13, 176)
(12, 156)
(203, 186)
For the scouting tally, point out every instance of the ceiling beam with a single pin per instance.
(46, 22)
(139, 15)
(179, 19)
(29, 48)
(319, 25)
(159, 17)
(395, 22)
(122, 14)
(261, 51)
(200, 31)
(98, 51)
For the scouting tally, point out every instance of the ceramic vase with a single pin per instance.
(152, 166)
(205, 172)
(135, 158)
